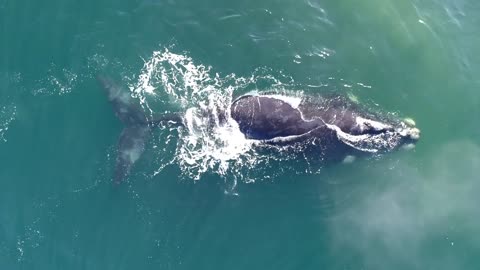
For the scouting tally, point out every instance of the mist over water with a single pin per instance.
(417, 215)
(203, 196)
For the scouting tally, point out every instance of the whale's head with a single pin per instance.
(333, 124)
(370, 135)
(408, 132)
(362, 128)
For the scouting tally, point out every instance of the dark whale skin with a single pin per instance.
(265, 118)
(333, 125)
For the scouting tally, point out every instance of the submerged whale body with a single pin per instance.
(330, 128)
(137, 127)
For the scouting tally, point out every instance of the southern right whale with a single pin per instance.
(331, 127)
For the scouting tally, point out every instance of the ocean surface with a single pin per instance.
(205, 199)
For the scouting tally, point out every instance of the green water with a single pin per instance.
(408, 210)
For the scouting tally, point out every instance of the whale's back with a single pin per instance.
(264, 118)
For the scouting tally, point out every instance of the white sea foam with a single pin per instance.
(7, 115)
(210, 141)
(57, 82)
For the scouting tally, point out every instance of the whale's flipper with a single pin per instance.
(130, 147)
(131, 143)
(137, 129)
(126, 108)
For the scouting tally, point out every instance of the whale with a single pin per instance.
(331, 127)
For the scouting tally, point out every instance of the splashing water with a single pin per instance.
(7, 115)
(210, 141)
(58, 81)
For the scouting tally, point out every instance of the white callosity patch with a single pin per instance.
(409, 122)
(414, 133)
(366, 124)
(407, 129)
(370, 142)
(385, 137)
(355, 141)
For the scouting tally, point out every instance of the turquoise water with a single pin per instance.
(58, 135)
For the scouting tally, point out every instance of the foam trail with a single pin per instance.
(7, 115)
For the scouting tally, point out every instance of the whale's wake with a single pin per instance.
(211, 141)
(7, 115)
